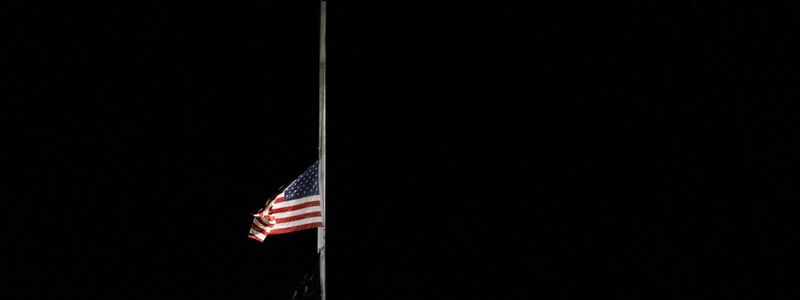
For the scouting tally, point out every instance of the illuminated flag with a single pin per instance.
(295, 208)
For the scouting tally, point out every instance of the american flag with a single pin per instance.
(296, 207)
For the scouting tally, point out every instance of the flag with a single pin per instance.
(295, 208)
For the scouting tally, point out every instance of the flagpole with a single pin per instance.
(322, 121)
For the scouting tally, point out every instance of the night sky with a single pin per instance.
(561, 150)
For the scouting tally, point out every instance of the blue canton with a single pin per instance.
(305, 185)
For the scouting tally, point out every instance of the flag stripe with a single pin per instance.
(257, 237)
(299, 217)
(296, 223)
(294, 207)
(294, 202)
(259, 226)
(258, 230)
(279, 198)
(261, 221)
(297, 212)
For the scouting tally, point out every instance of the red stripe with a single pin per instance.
(296, 228)
(256, 228)
(259, 230)
(294, 207)
(258, 220)
(299, 217)
(261, 222)
(279, 200)
(263, 227)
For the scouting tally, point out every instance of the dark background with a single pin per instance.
(558, 150)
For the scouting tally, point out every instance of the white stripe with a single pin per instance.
(257, 233)
(298, 212)
(295, 201)
(259, 224)
(260, 236)
(267, 229)
(297, 223)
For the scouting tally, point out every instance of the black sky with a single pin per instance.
(561, 150)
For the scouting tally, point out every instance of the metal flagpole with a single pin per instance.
(322, 121)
